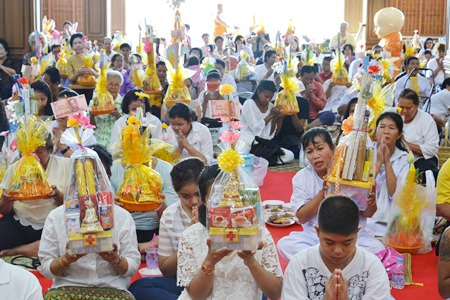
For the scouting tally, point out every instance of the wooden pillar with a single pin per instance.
(353, 14)
(118, 16)
(447, 57)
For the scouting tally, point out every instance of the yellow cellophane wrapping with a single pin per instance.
(164, 151)
(87, 79)
(103, 102)
(340, 75)
(61, 64)
(378, 104)
(151, 84)
(286, 98)
(29, 180)
(177, 91)
(405, 231)
(84, 169)
(142, 186)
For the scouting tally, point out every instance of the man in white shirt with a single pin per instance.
(336, 268)
(440, 104)
(265, 71)
(417, 82)
(17, 283)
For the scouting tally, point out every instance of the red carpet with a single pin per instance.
(278, 186)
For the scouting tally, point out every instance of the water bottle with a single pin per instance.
(398, 277)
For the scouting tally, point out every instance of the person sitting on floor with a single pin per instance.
(421, 133)
(417, 82)
(175, 219)
(440, 104)
(392, 165)
(208, 274)
(18, 283)
(336, 268)
(316, 97)
(188, 137)
(130, 104)
(260, 118)
(292, 127)
(22, 221)
(444, 265)
(443, 191)
(112, 269)
(309, 189)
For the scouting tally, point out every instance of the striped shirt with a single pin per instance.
(172, 224)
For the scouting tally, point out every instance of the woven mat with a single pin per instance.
(290, 167)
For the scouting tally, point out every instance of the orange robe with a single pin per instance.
(219, 29)
(393, 43)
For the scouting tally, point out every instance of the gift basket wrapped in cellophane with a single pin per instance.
(243, 69)
(412, 213)
(142, 186)
(177, 91)
(352, 173)
(88, 199)
(87, 79)
(136, 72)
(234, 206)
(151, 84)
(103, 101)
(340, 74)
(287, 97)
(164, 151)
(29, 180)
(61, 64)
(39, 65)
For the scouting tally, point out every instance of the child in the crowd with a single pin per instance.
(188, 137)
(391, 165)
(336, 268)
(175, 219)
(209, 274)
(130, 104)
(261, 118)
(309, 191)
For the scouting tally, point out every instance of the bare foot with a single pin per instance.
(31, 249)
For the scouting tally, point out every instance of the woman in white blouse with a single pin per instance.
(420, 132)
(260, 118)
(188, 137)
(22, 221)
(222, 273)
(130, 104)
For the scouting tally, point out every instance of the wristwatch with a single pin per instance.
(63, 152)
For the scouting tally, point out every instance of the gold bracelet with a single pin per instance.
(207, 270)
(61, 263)
(120, 260)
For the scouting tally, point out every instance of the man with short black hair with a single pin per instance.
(313, 92)
(336, 268)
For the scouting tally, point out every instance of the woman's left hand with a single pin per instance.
(111, 256)
(248, 256)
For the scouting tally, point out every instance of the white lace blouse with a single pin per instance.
(232, 279)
